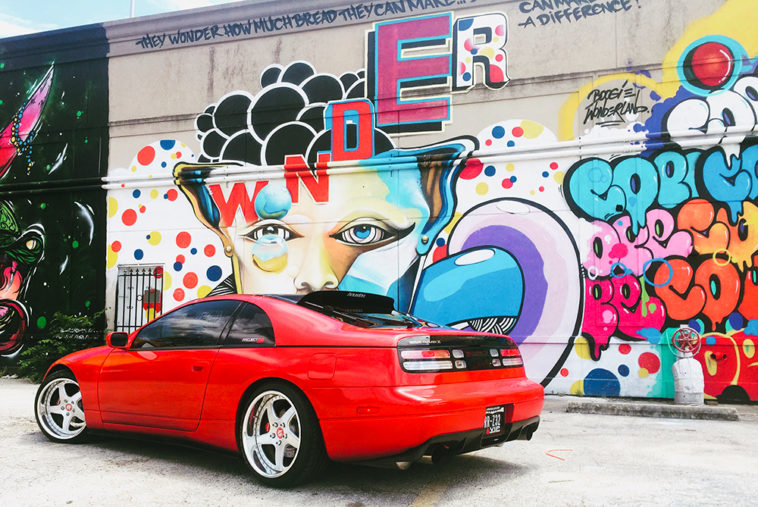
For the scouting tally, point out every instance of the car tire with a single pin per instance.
(279, 436)
(58, 408)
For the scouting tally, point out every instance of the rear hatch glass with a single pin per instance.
(361, 309)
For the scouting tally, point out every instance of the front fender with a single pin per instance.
(85, 365)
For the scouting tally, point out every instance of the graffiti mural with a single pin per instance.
(673, 238)
(20, 247)
(589, 233)
(53, 144)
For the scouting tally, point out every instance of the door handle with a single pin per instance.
(198, 367)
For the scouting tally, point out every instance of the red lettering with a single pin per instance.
(749, 306)
(238, 198)
(697, 217)
(600, 317)
(356, 112)
(682, 299)
(616, 305)
(714, 289)
(722, 287)
(296, 171)
(632, 311)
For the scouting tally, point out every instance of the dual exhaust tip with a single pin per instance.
(442, 452)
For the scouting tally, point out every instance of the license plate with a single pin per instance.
(494, 420)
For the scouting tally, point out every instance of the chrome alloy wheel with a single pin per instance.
(271, 434)
(59, 409)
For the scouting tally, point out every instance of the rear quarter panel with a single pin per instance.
(235, 369)
(360, 376)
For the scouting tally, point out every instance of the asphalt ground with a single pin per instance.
(573, 459)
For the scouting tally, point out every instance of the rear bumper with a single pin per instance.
(413, 419)
(459, 443)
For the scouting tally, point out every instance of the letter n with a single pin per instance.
(296, 171)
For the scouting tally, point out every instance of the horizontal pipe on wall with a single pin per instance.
(579, 148)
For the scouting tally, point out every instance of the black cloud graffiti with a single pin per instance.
(271, 24)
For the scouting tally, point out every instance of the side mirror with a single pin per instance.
(117, 339)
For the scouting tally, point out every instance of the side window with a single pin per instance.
(251, 327)
(197, 325)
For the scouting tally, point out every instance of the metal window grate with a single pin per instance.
(139, 296)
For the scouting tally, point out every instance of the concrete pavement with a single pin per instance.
(573, 459)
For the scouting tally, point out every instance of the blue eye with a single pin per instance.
(369, 232)
(363, 234)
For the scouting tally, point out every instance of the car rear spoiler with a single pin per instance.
(348, 302)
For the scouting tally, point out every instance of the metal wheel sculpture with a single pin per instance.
(686, 341)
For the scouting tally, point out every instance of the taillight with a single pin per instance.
(432, 365)
(457, 353)
(511, 357)
(425, 354)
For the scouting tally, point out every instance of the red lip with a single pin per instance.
(13, 324)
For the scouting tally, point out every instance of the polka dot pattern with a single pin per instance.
(154, 238)
(529, 177)
(183, 239)
(190, 280)
(146, 155)
(487, 53)
(129, 217)
(112, 207)
(191, 255)
(649, 362)
(214, 273)
(629, 369)
(472, 170)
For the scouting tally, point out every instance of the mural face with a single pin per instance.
(53, 121)
(590, 262)
(386, 224)
(312, 246)
(308, 245)
(20, 250)
(290, 241)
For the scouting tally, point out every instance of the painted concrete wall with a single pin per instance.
(53, 155)
(578, 174)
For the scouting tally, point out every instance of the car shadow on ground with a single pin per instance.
(348, 478)
(472, 469)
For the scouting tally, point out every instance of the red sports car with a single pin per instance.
(290, 381)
